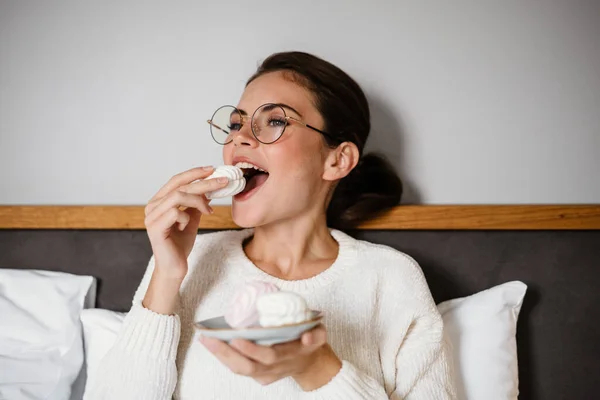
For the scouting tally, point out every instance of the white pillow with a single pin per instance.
(482, 329)
(100, 329)
(41, 350)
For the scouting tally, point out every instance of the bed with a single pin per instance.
(554, 249)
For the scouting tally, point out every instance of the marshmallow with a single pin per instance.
(236, 184)
(242, 312)
(282, 308)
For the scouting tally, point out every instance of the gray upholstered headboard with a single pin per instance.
(558, 333)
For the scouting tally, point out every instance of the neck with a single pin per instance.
(293, 249)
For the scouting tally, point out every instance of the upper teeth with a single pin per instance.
(248, 165)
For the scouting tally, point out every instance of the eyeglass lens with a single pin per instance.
(267, 123)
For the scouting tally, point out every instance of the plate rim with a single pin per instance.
(318, 317)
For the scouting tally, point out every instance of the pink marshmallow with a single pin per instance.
(242, 312)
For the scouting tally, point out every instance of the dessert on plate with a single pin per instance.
(242, 312)
(262, 304)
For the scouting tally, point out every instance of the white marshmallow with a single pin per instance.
(237, 183)
(281, 308)
(242, 312)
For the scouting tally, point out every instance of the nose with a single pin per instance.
(244, 137)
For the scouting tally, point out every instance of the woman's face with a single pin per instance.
(293, 185)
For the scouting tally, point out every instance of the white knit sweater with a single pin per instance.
(380, 318)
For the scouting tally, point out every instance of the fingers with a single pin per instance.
(179, 199)
(268, 364)
(309, 342)
(165, 221)
(181, 179)
(263, 354)
(196, 189)
(267, 379)
(175, 182)
(205, 186)
(194, 220)
(230, 357)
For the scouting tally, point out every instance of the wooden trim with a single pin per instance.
(424, 217)
(496, 217)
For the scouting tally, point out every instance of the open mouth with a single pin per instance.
(255, 178)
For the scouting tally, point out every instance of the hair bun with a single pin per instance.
(371, 188)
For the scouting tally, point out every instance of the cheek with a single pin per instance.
(298, 166)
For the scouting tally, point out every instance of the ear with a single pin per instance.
(340, 161)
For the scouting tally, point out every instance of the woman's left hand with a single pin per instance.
(309, 360)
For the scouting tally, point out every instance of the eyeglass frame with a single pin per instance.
(285, 116)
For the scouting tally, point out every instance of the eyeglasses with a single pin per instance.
(268, 123)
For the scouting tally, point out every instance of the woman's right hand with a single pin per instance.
(172, 230)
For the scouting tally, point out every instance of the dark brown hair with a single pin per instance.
(373, 186)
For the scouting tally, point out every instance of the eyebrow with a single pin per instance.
(283, 105)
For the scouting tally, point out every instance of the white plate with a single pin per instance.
(219, 329)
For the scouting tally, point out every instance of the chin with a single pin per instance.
(246, 216)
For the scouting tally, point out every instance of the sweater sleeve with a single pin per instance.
(423, 365)
(349, 384)
(141, 363)
(421, 356)
(422, 370)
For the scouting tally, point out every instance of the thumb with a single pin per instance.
(315, 338)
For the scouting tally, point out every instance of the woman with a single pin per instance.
(303, 124)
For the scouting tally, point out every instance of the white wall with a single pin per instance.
(475, 101)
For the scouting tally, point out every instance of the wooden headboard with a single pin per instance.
(468, 217)
(554, 249)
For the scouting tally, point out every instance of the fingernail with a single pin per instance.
(222, 180)
(208, 167)
(210, 210)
